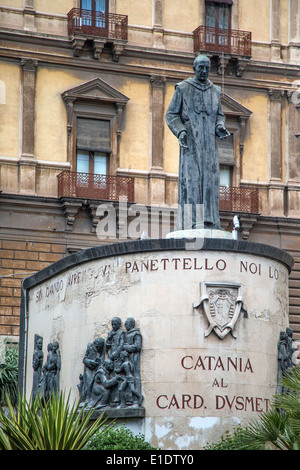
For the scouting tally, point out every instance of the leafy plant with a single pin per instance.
(9, 373)
(55, 425)
(233, 440)
(118, 439)
(278, 428)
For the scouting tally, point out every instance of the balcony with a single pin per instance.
(239, 199)
(232, 45)
(99, 28)
(91, 186)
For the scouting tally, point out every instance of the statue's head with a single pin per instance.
(129, 323)
(108, 364)
(116, 323)
(282, 335)
(123, 355)
(289, 332)
(99, 343)
(201, 67)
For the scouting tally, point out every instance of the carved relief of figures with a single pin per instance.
(103, 385)
(133, 345)
(37, 363)
(51, 369)
(127, 379)
(94, 356)
(45, 377)
(290, 347)
(285, 357)
(115, 339)
(115, 380)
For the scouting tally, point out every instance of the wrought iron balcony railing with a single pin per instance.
(219, 40)
(93, 186)
(239, 199)
(94, 23)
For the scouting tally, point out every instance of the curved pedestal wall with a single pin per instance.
(210, 321)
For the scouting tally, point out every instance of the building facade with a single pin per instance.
(84, 87)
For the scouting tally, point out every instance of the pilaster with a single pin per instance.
(29, 15)
(275, 103)
(27, 163)
(29, 68)
(275, 31)
(157, 176)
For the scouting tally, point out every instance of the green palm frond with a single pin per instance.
(280, 426)
(9, 373)
(55, 425)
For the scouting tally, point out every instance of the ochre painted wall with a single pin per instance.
(51, 118)
(255, 158)
(255, 19)
(181, 17)
(13, 3)
(134, 148)
(139, 13)
(10, 108)
(57, 7)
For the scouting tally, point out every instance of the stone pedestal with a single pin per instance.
(201, 234)
(210, 320)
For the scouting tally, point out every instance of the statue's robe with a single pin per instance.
(196, 108)
(133, 345)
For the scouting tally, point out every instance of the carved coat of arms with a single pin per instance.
(222, 304)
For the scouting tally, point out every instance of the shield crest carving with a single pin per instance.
(222, 304)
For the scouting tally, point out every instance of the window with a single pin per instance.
(94, 112)
(226, 160)
(92, 162)
(218, 23)
(93, 145)
(95, 5)
(225, 175)
(94, 14)
(218, 15)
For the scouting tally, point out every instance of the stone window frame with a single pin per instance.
(237, 117)
(95, 99)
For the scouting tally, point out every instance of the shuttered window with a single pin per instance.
(225, 151)
(93, 135)
(226, 160)
(93, 145)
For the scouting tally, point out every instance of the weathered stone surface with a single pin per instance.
(195, 385)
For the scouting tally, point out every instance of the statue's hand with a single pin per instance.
(183, 139)
(222, 132)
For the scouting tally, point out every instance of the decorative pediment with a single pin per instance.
(237, 113)
(95, 90)
(233, 108)
(98, 93)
